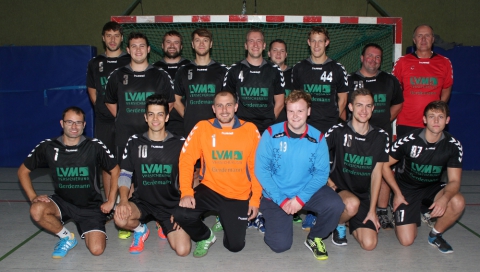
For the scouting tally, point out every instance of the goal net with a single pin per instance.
(348, 35)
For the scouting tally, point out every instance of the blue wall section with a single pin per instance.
(36, 84)
(464, 123)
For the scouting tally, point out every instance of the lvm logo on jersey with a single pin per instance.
(202, 88)
(357, 161)
(136, 98)
(254, 92)
(72, 174)
(156, 170)
(423, 82)
(426, 169)
(227, 156)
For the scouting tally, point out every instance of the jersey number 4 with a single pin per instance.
(326, 77)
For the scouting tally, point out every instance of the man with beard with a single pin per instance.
(98, 70)
(172, 46)
(227, 147)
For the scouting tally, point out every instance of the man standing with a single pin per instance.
(198, 81)
(172, 46)
(292, 165)
(425, 76)
(428, 153)
(388, 97)
(128, 86)
(260, 85)
(74, 161)
(98, 69)
(277, 53)
(326, 81)
(152, 157)
(227, 147)
(358, 152)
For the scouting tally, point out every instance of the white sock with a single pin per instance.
(140, 228)
(434, 231)
(64, 233)
(341, 224)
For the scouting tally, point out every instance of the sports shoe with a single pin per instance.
(217, 226)
(309, 222)
(251, 224)
(297, 218)
(63, 246)
(203, 246)
(384, 219)
(427, 219)
(161, 235)
(138, 240)
(339, 236)
(260, 223)
(439, 242)
(317, 247)
(124, 234)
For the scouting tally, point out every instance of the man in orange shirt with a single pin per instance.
(226, 147)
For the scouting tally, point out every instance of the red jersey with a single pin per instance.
(423, 80)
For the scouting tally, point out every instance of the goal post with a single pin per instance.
(348, 35)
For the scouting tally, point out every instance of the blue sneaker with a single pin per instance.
(251, 224)
(439, 242)
(260, 223)
(309, 222)
(139, 239)
(63, 247)
(339, 236)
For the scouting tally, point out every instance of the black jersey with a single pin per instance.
(256, 87)
(129, 89)
(425, 162)
(354, 156)
(74, 169)
(287, 74)
(198, 84)
(98, 70)
(386, 92)
(171, 68)
(155, 168)
(323, 82)
(175, 122)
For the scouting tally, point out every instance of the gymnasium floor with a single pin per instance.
(24, 247)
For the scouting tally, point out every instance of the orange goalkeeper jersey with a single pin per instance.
(227, 156)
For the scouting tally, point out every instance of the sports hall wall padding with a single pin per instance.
(464, 101)
(36, 84)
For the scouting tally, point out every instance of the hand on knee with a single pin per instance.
(37, 211)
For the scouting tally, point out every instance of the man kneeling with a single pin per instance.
(437, 150)
(152, 159)
(292, 165)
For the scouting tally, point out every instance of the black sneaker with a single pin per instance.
(317, 247)
(384, 219)
(439, 242)
(339, 236)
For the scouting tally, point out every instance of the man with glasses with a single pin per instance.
(74, 161)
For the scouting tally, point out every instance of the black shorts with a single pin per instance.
(86, 219)
(105, 132)
(410, 214)
(149, 212)
(357, 220)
